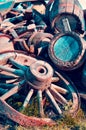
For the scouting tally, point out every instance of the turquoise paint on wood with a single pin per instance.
(66, 48)
(5, 6)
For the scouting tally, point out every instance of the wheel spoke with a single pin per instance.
(12, 91)
(6, 86)
(2, 91)
(58, 96)
(59, 89)
(6, 77)
(62, 78)
(55, 79)
(13, 71)
(22, 67)
(53, 101)
(27, 99)
(40, 101)
(13, 81)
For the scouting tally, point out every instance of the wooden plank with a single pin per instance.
(70, 6)
(62, 6)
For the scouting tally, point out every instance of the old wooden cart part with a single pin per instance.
(7, 5)
(5, 43)
(38, 41)
(42, 91)
(58, 10)
(67, 50)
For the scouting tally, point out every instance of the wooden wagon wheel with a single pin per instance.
(32, 86)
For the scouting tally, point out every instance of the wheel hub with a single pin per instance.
(39, 75)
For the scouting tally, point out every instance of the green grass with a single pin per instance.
(66, 123)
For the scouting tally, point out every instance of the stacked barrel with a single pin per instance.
(67, 48)
(66, 9)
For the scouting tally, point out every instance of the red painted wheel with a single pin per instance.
(32, 92)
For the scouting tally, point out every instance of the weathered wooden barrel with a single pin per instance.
(67, 51)
(5, 43)
(59, 10)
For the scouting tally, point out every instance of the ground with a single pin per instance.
(66, 123)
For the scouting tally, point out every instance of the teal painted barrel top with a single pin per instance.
(67, 51)
(6, 6)
(66, 48)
